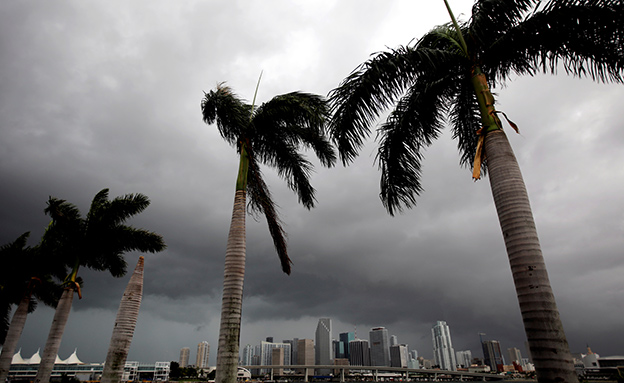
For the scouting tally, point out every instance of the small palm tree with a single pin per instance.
(27, 277)
(125, 323)
(96, 242)
(271, 134)
(449, 73)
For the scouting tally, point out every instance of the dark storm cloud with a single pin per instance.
(97, 96)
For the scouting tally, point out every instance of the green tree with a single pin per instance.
(448, 73)
(271, 134)
(27, 277)
(97, 242)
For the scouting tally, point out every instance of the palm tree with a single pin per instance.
(127, 316)
(27, 276)
(271, 134)
(96, 242)
(448, 73)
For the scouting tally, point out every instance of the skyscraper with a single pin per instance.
(379, 347)
(203, 352)
(398, 355)
(345, 339)
(514, 355)
(443, 352)
(359, 353)
(248, 353)
(185, 352)
(492, 355)
(305, 354)
(464, 358)
(323, 346)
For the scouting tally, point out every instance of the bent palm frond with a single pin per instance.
(261, 201)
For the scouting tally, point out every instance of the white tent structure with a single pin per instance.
(36, 359)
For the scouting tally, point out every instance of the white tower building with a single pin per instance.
(203, 352)
(185, 352)
(443, 351)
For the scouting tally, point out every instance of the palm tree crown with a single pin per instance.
(273, 134)
(447, 74)
(432, 79)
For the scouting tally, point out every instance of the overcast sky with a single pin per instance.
(100, 95)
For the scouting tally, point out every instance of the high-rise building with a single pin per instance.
(247, 357)
(266, 354)
(379, 347)
(359, 353)
(305, 354)
(398, 355)
(277, 359)
(323, 344)
(463, 358)
(412, 361)
(294, 350)
(443, 352)
(515, 355)
(203, 352)
(345, 339)
(185, 352)
(492, 355)
(394, 340)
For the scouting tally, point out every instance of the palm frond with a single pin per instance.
(491, 19)
(374, 86)
(231, 113)
(465, 119)
(122, 208)
(585, 37)
(261, 201)
(411, 127)
(298, 119)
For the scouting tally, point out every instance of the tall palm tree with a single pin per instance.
(96, 242)
(448, 73)
(27, 277)
(271, 134)
(125, 323)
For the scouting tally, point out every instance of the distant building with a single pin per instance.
(266, 355)
(248, 353)
(305, 354)
(323, 344)
(379, 347)
(398, 355)
(515, 356)
(203, 352)
(277, 359)
(412, 361)
(492, 355)
(443, 352)
(345, 339)
(72, 367)
(463, 358)
(393, 340)
(359, 353)
(185, 352)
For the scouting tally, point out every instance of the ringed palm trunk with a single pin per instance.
(544, 330)
(61, 315)
(13, 335)
(125, 324)
(232, 302)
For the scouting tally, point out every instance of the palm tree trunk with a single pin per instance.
(61, 315)
(232, 303)
(13, 335)
(124, 327)
(544, 330)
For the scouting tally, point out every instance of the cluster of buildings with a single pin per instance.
(381, 349)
